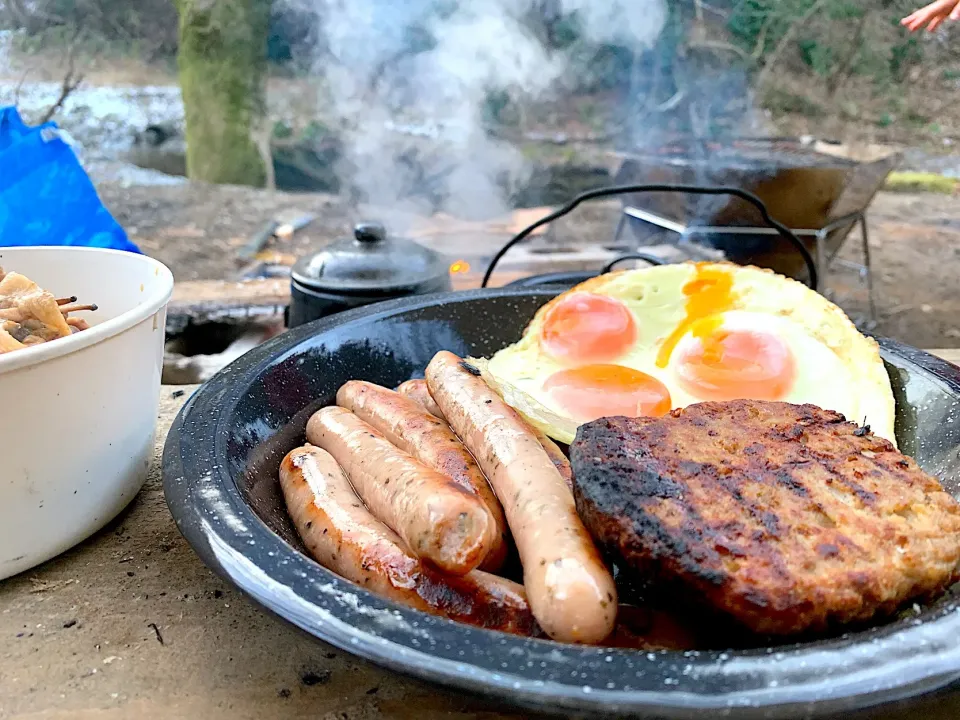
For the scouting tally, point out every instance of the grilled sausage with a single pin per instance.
(431, 441)
(437, 518)
(343, 536)
(571, 591)
(559, 460)
(418, 391)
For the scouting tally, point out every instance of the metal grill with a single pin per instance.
(821, 197)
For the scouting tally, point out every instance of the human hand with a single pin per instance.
(932, 15)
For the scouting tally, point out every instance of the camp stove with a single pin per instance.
(702, 198)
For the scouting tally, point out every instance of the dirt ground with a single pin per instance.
(915, 244)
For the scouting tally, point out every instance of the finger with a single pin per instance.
(923, 16)
(955, 13)
(935, 23)
(913, 17)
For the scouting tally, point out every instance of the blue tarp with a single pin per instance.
(46, 198)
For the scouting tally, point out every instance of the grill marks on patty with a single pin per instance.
(785, 517)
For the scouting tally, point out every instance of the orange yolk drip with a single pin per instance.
(588, 328)
(594, 391)
(731, 364)
(708, 293)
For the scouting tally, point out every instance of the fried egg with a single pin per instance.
(643, 342)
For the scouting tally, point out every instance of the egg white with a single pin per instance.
(837, 368)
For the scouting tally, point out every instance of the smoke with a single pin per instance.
(636, 24)
(409, 84)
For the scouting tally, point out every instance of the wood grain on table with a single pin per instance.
(131, 624)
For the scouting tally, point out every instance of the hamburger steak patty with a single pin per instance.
(785, 517)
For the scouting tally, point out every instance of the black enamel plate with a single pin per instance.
(220, 477)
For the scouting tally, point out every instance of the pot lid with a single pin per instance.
(370, 262)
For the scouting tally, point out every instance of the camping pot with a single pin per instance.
(369, 267)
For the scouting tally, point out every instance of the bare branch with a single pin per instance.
(262, 137)
(720, 45)
(845, 69)
(785, 41)
(23, 14)
(71, 80)
(762, 36)
(70, 83)
(16, 93)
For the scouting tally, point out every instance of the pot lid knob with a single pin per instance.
(370, 232)
(372, 262)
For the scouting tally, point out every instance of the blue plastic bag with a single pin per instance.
(46, 198)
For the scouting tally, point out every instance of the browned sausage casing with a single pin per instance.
(418, 391)
(431, 441)
(437, 518)
(571, 591)
(343, 536)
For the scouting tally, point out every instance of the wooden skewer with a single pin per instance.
(67, 300)
(77, 308)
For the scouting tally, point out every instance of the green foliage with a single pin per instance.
(499, 108)
(145, 28)
(565, 32)
(845, 10)
(282, 130)
(818, 57)
(762, 23)
(830, 39)
(903, 56)
(911, 182)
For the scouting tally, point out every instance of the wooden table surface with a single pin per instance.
(132, 624)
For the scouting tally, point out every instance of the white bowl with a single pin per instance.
(78, 414)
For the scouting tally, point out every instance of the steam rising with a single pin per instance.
(414, 121)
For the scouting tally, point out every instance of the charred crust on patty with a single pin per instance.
(786, 518)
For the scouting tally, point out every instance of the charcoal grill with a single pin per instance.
(819, 196)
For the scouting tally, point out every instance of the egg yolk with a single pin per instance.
(594, 391)
(719, 363)
(588, 328)
(709, 292)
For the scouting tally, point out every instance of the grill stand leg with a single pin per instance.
(619, 231)
(864, 234)
(820, 257)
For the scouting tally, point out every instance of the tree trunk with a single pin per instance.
(223, 61)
